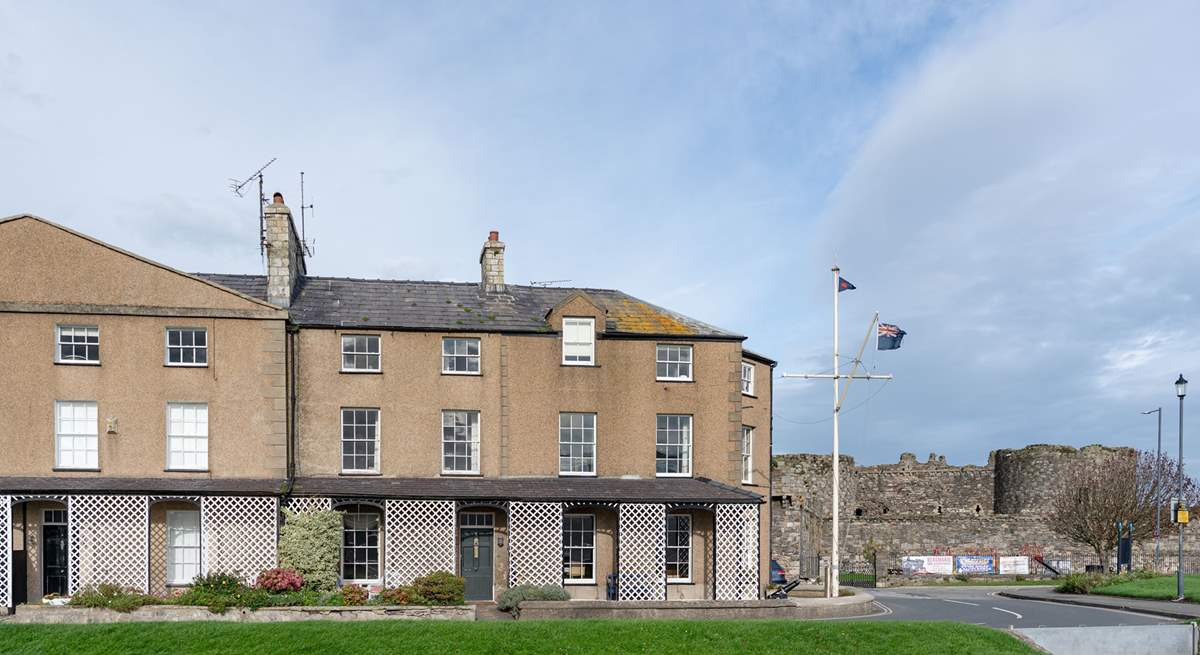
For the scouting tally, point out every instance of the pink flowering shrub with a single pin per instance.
(280, 580)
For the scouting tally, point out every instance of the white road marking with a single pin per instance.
(1001, 609)
(961, 602)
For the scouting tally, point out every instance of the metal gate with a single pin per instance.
(860, 573)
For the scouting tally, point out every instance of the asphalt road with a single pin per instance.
(982, 606)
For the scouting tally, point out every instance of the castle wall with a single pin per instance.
(931, 507)
(1027, 478)
(929, 489)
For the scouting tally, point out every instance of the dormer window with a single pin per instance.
(579, 341)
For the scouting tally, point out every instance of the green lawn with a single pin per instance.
(1158, 588)
(692, 637)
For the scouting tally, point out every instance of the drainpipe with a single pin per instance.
(292, 330)
(771, 475)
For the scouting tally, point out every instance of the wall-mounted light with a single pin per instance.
(111, 425)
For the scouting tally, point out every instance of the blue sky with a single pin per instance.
(1015, 184)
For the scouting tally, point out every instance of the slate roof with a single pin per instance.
(461, 306)
(662, 490)
(206, 486)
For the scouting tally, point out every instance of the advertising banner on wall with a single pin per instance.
(928, 565)
(1014, 565)
(975, 564)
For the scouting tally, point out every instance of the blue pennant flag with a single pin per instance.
(844, 285)
(890, 336)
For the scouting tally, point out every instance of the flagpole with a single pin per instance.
(835, 557)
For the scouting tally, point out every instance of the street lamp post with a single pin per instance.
(1158, 490)
(1181, 391)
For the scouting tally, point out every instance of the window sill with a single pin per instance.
(749, 395)
(672, 475)
(62, 363)
(185, 365)
(679, 581)
(565, 474)
(469, 374)
(579, 583)
(462, 474)
(186, 471)
(566, 365)
(59, 469)
(358, 372)
(360, 474)
(673, 380)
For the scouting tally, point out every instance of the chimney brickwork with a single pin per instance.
(491, 264)
(285, 254)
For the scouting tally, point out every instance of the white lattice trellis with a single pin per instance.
(6, 556)
(299, 504)
(109, 541)
(642, 551)
(737, 552)
(238, 534)
(535, 544)
(418, 539)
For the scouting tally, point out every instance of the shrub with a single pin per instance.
(510, 600)
(109, 596)
(962, 577)
(310, 544)
(280, 580)
(1081, 583)
(217, 582)
(395, 596)
(440, 588)
(353, 594)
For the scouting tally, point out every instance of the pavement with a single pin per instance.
(986, 606)
(1179, 611)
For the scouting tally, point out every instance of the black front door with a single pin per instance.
(475, 562)
(54, 559)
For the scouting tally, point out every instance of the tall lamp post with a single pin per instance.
(1158, 489)
(1181, 391)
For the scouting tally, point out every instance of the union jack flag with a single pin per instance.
(890, 336)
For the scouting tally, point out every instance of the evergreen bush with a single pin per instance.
(310, 543)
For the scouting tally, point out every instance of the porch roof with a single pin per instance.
(565, 489)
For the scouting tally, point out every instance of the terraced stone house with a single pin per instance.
(155, 424)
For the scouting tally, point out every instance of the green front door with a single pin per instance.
(475, 562)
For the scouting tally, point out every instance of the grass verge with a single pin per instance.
(1161, 587)
(834, 637)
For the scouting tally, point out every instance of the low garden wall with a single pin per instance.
(860, 604)
(72, 615)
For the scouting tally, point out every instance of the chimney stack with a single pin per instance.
(491, 264)
(285, 254)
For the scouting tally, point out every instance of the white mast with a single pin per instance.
(834, 588)
(834, 564)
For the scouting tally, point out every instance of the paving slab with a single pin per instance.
(1172, 639)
